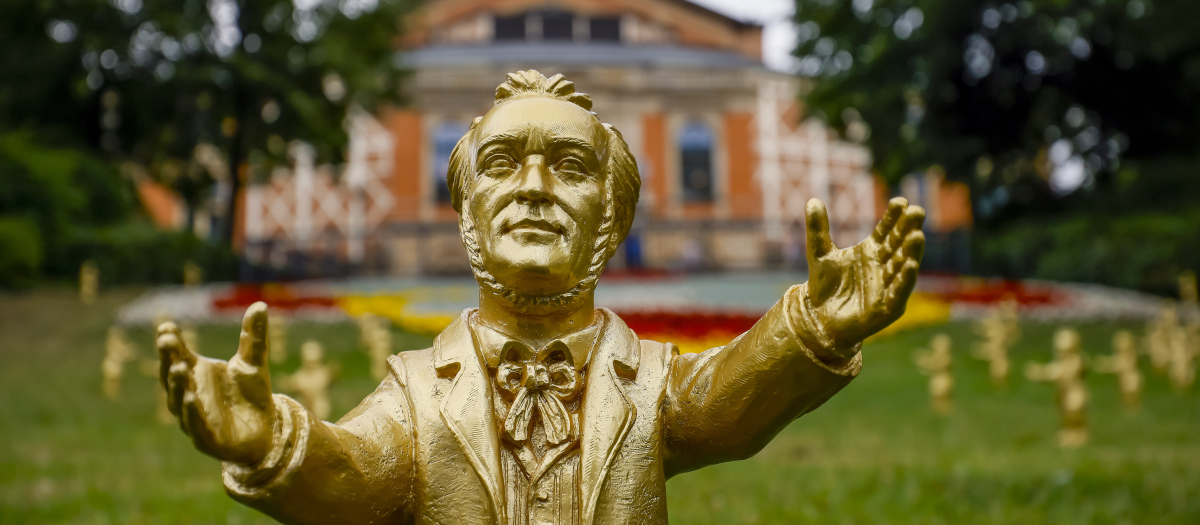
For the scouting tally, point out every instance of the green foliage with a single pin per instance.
(1062, 115)
(140, 253)
(59, 190)
(61, 207)
(20, 252)
(149, 81)
(985, 89)
(1146, 251)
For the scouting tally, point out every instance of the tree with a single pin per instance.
(1051, 110)
(149, 82)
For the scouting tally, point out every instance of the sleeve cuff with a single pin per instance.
(810, 333)
(289, 441)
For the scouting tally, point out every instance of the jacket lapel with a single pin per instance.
(607, 411)
(467, 406)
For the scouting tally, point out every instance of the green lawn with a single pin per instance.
(874, 454)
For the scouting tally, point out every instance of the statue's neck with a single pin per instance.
(538, 328)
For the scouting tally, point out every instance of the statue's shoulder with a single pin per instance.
(410, 364)
(658, 352)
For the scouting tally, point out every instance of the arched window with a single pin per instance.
(695, 161)
(444, 138)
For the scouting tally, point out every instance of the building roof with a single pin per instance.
(567, 53)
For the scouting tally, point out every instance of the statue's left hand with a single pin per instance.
(858, 291)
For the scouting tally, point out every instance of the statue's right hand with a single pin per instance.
(226, 407)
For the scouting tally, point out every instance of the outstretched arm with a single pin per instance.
(729, 402)
(277, 456)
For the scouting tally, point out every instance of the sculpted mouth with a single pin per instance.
(532, 224)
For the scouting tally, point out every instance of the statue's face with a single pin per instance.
(539, 195)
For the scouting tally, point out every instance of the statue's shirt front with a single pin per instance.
(537, 395)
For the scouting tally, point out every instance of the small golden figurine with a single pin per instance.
(1181, 367)
(935, 363)
(277, 333)
(312, 380)
(377, 337)
(538, 407)
(1124, 364)
(1066, 372)
(192, 274)
(1160, 335)
(89, 282)
(117, 352)
(1000, 330)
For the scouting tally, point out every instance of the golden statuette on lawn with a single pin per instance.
(312, 380)
(935, 363)
(1124, 364)
(538, 407)
(1000, 330)
(1066, 372)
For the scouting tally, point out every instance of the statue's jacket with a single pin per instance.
(424, 447)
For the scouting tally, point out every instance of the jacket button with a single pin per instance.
(543, 495)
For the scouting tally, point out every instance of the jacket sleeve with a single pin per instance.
(727, 403)
(357, 471)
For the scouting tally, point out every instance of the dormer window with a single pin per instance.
(510, 27)
(558, 25)
(554, 25)
(605, 29)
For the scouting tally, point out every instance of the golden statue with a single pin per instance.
(1181, 365)
(1000, 330)
(117, 352)
(376, 341)
(935, 363)
(1161, 333)
(538, 407)
(89, 282)
(1066, 372)
(277, 333)
(192, 274)
(1124, 364)
(312, 380)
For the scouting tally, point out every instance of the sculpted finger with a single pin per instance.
(903, 286)
(177, 381)
(252, 345)
(817, 222)
(914, 246)
(171, 350)
(892, 268)
(913, 219)
(895, 209)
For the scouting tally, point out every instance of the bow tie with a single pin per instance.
(540, 381)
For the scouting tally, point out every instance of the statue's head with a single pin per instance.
(1066, 342)
(545, 193)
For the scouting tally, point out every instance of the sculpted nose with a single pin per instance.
(534, 181)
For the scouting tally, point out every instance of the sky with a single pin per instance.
(779, 34)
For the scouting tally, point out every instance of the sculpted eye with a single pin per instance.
(570, 165)
(499, 162)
